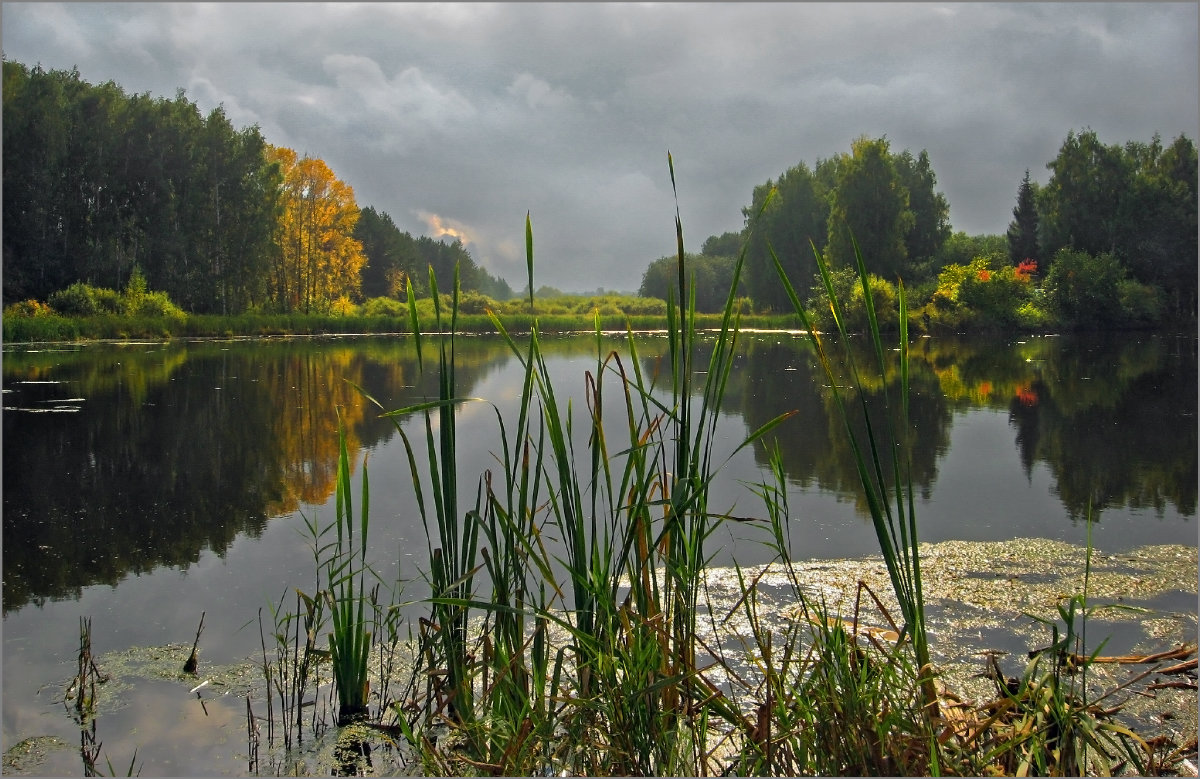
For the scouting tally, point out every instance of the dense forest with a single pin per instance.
(105, 191)
(101, 188)
(1109, 240)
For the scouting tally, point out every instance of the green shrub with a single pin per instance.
(81, 299)
(76, 300)
(637, 306)
(154, 304)
(109, 301)
(389, 307)
(986, 292)
(28, 308)
(1141, 304)
(842, 281)
(31, 320)
(1033, 314)
(994, 295)
(425, 308)
(849, 292)
(1082, 288)
(472, 302)
(883, 298)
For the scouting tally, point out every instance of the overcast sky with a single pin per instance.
(456, 119)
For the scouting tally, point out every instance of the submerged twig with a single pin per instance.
(1179, 653)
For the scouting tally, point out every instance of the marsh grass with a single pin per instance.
(895, 523)
(356, 615)
(346, 595)
(1042, 723)
(57, 328)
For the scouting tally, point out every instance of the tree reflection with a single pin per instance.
(180, 448)
(1113, 418)
(1115, 422)
(784, 375)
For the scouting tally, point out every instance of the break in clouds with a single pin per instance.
(458, 119)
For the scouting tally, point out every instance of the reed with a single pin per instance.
(589, 656)
(889, 496)
(346, 595)
(82, 689)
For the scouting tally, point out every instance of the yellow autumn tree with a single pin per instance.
(318, 262)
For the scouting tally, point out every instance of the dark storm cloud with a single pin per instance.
(462, 117)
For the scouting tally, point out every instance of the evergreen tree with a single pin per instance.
(1023, 231)
(392, 258)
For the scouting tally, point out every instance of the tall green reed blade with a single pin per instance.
(350, 641)
(457, 537)
(689, 521)
(414, 322)
(519, 695)
(896, 531)
(529, 258)
(632, 585)
(453, 562)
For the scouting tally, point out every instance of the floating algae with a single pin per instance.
(164, 663)
(1003, 578)
(25, 757)
(984, 597)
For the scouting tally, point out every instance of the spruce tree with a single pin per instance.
(1023, 231)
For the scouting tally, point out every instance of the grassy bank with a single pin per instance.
(53, 327)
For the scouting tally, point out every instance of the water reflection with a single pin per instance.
(1112, 417)
(785, 375)
(1115, 423)
(178, 448)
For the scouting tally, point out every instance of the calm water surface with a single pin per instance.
(147, 483)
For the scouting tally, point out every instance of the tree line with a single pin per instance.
(887, 201)
(1120, 214)
(102, 187)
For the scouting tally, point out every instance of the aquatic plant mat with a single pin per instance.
(983, 601)
(979, 596)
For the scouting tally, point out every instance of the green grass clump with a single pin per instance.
(591, 657)
(23, 328)
(895, 523)
(346, 596)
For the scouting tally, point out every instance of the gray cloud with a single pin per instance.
(468, 115)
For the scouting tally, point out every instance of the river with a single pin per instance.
(146, 483)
